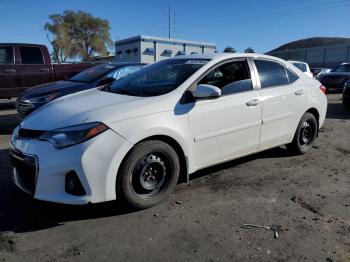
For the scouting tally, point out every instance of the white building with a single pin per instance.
(149, 49)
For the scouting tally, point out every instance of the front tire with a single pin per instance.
(149, 174)
(305, 135)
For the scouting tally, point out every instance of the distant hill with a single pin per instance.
(313, 42)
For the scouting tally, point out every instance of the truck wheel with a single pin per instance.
(305, 135)
(149, 174)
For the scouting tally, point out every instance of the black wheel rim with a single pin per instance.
(151, 174)
(307, 133)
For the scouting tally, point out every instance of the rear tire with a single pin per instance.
(149, 174)
(305, 135)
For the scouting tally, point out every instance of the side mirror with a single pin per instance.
(206, 92)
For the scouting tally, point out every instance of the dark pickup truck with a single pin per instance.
(27, 65)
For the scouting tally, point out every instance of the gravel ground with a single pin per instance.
(306, 197)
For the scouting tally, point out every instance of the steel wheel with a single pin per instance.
(150, 175)
(306, 133)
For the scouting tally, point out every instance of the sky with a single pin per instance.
(260, 24)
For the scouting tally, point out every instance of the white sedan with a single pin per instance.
(303, 67)
(134, 139)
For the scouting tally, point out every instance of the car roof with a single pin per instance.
(221, 56)
(294, 61)
(124, 63)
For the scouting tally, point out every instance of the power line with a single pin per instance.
(229, 10)
(273, 14)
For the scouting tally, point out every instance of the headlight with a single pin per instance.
(15, 134)
(68, 136)
(43, 99)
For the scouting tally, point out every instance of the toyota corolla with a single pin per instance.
(134, 139)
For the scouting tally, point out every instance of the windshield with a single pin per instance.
(342, 68)
(301, 66)
(157, 79)
(93, 73)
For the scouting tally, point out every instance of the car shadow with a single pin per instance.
(19, 212)
(8, 123)
(7, 104)
(337, 111)
(278, 152)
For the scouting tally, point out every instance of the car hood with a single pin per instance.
(92, 106)
(61, 87)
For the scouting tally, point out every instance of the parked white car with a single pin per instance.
(136, 137)
(303, 67)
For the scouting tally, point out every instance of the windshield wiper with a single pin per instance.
(76, 81)
(126, 92)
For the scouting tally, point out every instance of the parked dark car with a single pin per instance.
(26, 65)
(335, 80)
(99, 75)
(346, 95)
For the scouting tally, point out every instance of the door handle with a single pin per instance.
(253, 102)
(299, 92)
(44, 70)
(9, 71)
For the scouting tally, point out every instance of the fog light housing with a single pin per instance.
(73, 185)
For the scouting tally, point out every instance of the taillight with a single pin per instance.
(323, 89)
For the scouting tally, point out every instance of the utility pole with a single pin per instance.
(169, 21)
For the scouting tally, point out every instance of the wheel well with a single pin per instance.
(178, 149)
(316, 115)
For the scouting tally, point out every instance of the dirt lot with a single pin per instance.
(308, 197)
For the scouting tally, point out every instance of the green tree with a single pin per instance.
(249, 50)
(77, 34)
(229, 49)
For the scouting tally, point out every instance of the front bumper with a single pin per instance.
(95, 162)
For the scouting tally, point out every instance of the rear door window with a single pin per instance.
(31, 55)
(6, 55)
(271, 74)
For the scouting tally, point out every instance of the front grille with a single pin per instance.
(29, 133)
(23, 107)
(25, 170)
